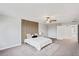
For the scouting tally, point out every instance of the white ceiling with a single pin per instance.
(64, 13)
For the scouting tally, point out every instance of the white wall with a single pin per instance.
(52, 30)
(10, 34)
(10, 31)
(43, 28)
(60, 32)
(64, 31)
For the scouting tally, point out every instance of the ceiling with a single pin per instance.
(63, 12)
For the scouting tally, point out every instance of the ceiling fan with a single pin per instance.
(75, 20)
(50, 19)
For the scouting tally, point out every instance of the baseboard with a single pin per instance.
(10, 46)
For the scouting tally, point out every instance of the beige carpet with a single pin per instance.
(59, 48)
(28, 50)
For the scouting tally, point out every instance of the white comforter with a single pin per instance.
(38, 42)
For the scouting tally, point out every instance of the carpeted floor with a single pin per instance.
(59, 48)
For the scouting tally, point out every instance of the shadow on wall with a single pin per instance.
(3, 17)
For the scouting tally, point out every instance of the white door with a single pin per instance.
(74, 32)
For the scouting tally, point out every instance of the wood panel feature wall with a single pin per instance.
(28, 27)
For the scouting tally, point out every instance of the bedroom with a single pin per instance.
(63, 30)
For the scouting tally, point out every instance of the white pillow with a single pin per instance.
(29, 36)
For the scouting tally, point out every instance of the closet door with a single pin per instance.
(64, 31)
(67, 32)
(74, 29)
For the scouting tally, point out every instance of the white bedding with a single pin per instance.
(38, 42)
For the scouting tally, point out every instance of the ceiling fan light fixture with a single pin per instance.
(47, 21)
(54, 20)
(50, 19)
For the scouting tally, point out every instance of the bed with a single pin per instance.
(38, 42)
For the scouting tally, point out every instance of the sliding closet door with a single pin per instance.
(74, 32)
(64, 32)
(67, 32)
